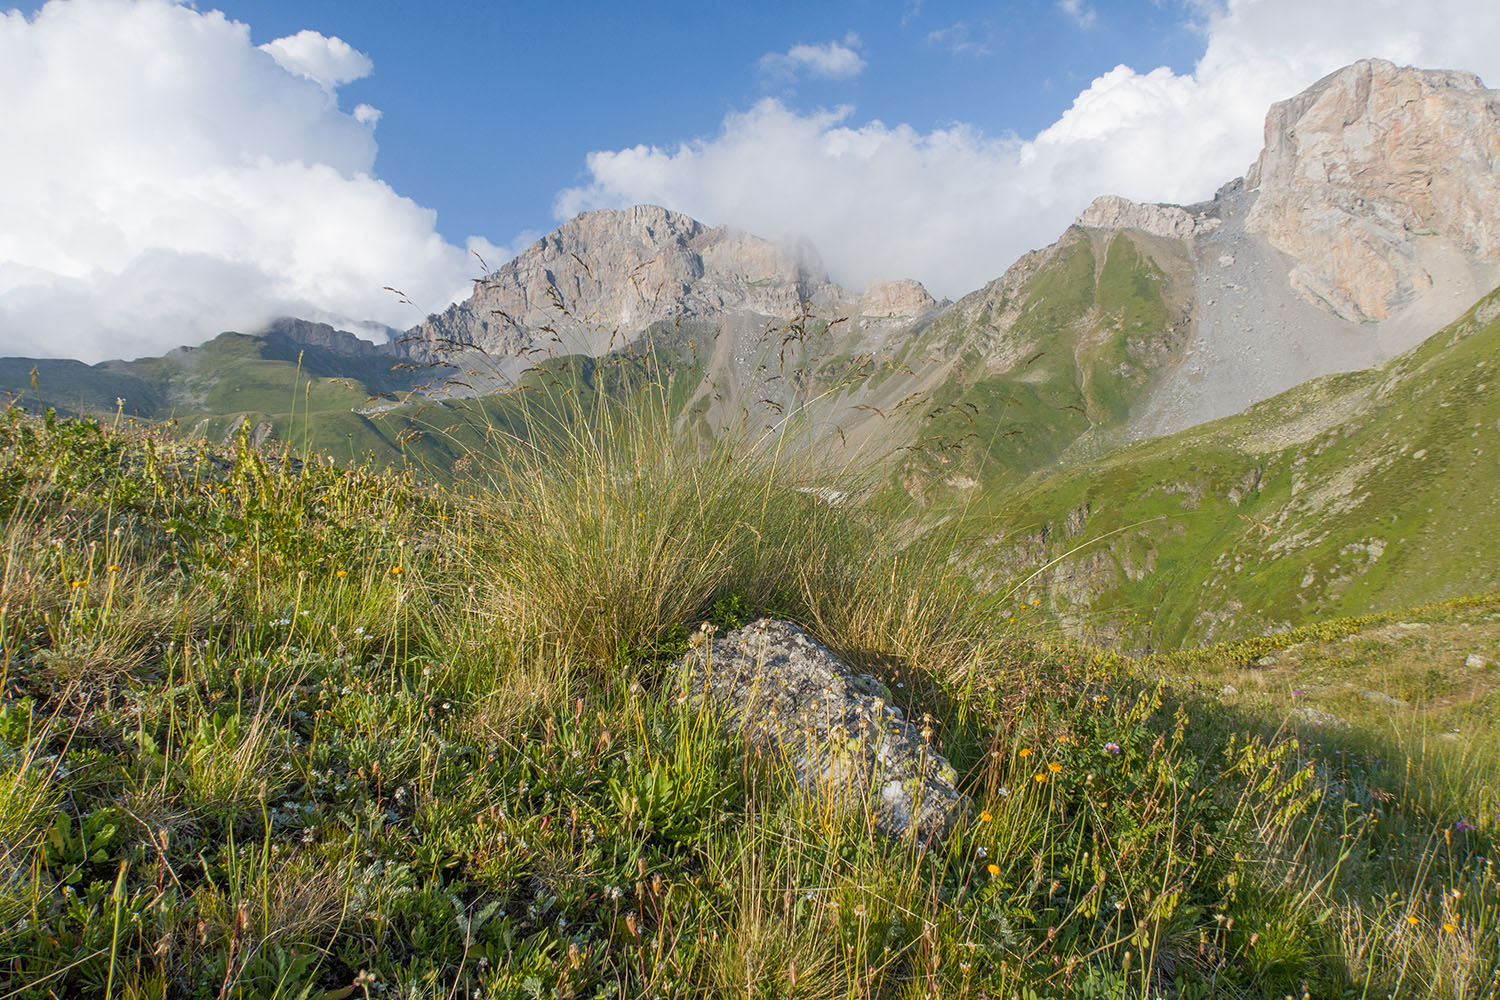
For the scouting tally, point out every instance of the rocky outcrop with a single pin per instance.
(601, 278)
(896, 299)
(837, 732)
(286, 336)
(324, 351)
(1364, 168)
(1167, 221)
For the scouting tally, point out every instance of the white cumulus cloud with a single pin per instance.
(829, 61)
(954, 206)
(166, 179)
(329, 62)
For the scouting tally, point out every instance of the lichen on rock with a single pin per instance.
(843, 741)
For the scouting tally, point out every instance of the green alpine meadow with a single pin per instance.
(276, 726)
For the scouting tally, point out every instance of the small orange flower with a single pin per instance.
(341, 573)
(993, 869)
(1040, 777)
(1024, 752)
(1054, 767)
(397, 571)
(1450, 928)
(1411, 919)
(984, 816)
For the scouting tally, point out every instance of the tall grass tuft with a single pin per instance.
(604, 531)
(28, 794)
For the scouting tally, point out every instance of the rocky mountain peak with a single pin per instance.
(1168, 221)
(287, 335)
(1375, 175)
(604, 276)
(631, 267)
(895, 299)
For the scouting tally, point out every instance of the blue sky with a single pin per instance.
(186, 169)
(489, 109)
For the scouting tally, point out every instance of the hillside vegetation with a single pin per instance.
(274, 726)
(1348, 494)
(1051, 360)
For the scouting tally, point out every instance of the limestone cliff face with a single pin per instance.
(599, 281)
(1369, 172)
(897, 299)
(1167, 221)
(604, 276)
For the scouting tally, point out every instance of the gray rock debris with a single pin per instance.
(790, 697)
(1381, 698)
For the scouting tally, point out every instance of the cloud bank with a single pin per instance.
(165, 179)
(954, 207)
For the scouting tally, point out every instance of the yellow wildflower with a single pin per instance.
(1054, 767)
(993, 869)
(1024, 752)
(984, 816)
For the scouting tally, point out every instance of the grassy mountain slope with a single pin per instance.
(280, 729)
(331, 402)
(1051, 358)
(1350, 493)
